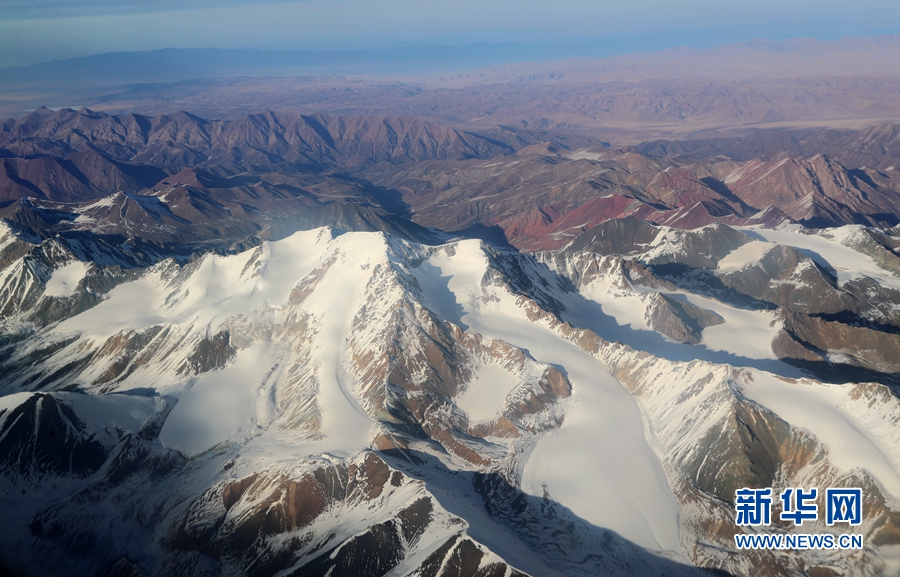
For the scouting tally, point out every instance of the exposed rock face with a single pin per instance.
(626, 236)
(877, 146)
(347, 217)
(43, 439)
(263, 139)
(817, 191)
(632, 236)
(292, 519)
(64, 180)
(178, 178)
(521, 196)
(785, 277)
(210, 353)
(355, 403)
(821, 319)
(680, 321)
(834, 341)
(268, 522)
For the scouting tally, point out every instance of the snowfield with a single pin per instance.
(285, 354)
(65, 279)
(599, 463)
(830, 253)
(854, 437)
(485, 395)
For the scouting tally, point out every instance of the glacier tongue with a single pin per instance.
(223, 405)
(295, 392)
(599, 463)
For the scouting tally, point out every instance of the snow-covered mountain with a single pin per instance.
(359, 404)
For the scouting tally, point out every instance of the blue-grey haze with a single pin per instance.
(41, 30)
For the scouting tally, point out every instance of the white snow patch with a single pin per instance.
(743, 255)
(436, 294)
(485, 395)
(745, 336)
(831, 254)
(626, 306)
(770, 171)
(221, 405)
(746, 333)
(599, 463)
(339, 294)
(458, 277)
(742, 171)
(105, 202)
(236, 402)
(220, 288)
(837, 421)
(233, 403)
(65, 279)
(6, 236)
(10, 402)
(584, 155)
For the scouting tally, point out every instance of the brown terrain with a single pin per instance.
(849, 83)
(590, 181)
(535, 194)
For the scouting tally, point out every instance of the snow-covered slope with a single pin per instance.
(358, 404)
(636, 500)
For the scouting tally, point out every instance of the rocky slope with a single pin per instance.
(876, 147)
(230, 178)
(356, 403)
(264, 139)
(828, 304)
(543, 198)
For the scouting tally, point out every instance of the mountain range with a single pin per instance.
(357, 403)
(846, 82)
(535, 194)
(451, 331)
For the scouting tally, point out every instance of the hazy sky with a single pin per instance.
(37, 30)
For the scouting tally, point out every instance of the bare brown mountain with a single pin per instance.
(79, 176)
(816, 190)
(41, 177)
(195, 210)
(875, 147)
(260, 140)
(138, 230)
(541, 199)
(270, 166)
(78, 156)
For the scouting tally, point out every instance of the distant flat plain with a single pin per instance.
(851, 82)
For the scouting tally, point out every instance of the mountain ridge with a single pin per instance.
(535, 194)
(406, 458)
